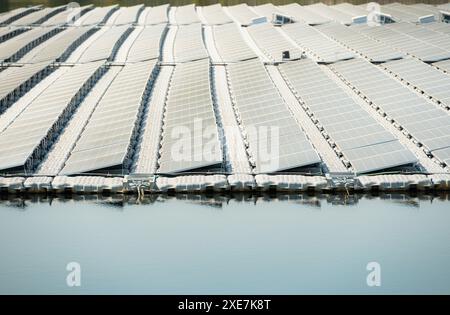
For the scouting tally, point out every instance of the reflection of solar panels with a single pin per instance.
(111, 131)
(426, 122)
(258, 104)
(362, 140)
(189, 116)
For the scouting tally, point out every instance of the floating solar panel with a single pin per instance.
(361, 139)
(127, 15)
(156, 15)
(268, 10)
(16, 81)
(105, 47)
(424, 121)
(27, 139)
(303, 14)
(438, 27)
(424, 77)
(408, 44)
(230, 44)
(443, 65)
(330, 13)
(215, 15)
(14, 50)
(186, 15)
(421, 33)
(108, 140)
(367, 47)
(272, 43)
(67, 16)
(318, 46)
(190, 138)
(406, 13)
(189, 44)
(38, 17)
(9, 32)
(13, 15)
(242, 13)
(148, 43)
(267, 121)
(97, 16)
(60, 46)
(350, 9)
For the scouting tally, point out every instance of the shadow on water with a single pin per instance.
(218, 201)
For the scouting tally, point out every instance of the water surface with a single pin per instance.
(218, 244)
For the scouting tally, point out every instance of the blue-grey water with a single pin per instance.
(222, 245)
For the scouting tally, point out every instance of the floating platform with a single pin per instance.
(223, 183)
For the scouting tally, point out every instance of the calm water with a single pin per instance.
(302, 244)
(6, 5)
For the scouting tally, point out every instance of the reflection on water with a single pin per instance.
(219, 200)
(225, 244)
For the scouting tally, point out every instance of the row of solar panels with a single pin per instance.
(197, 26)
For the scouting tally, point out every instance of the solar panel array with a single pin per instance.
(405, 43)
(189, 44)
(16, 49)
(361, 139)
(186, 15)
(230, 44)
(189, 109)
(330, 13)
(13, 15)
(106, 46)
(8, 32)
(303, 14)
(215, 15)
(438, 27)
(17, 80)
(157, 15)
(426, 122)
(108, 139)
(272, 43)
(369, 48)
(30, 135)
(148, 43)
(267, 10)
(127, 15)
(424, 77)
(319, 46)
(60, 46)
(97, 16)
(443, 65)
(67, 16)
(422, 33)
(259, 107)
(406, 13)
(242, 14)
(38, 17)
